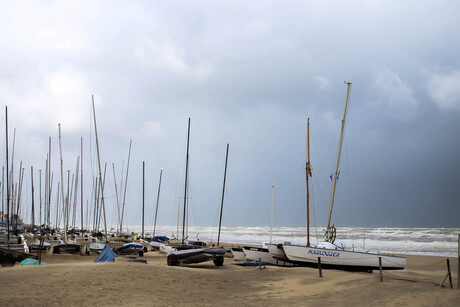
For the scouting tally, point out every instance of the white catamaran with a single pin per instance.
(331, 255)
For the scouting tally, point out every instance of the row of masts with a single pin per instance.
(69, 186)
(65, 211)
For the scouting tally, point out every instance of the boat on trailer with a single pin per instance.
(131, 248)
(197, 255)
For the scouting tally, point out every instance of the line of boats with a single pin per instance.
(327, 253)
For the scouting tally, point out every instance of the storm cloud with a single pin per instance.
(248, 74)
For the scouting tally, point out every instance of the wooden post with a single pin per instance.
(380, 269)
(260, 263)
(448, 273)
(319, 267)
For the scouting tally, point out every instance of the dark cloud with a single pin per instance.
(249, 75)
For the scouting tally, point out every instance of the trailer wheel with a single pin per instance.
(219, 261)
(172, 260)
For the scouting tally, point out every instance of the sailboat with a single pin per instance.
(189, 253)
(331, 255)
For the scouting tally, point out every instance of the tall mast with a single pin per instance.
(338, 160)
(50, 182)
(7, 181)
(186, 182)
(143, 196)
(100, 169)
(67, 205)
(158, 200)
(271, 215)
(308, 173)
(32, 183)
(81, 182)
(223, 192)
(40, 195)
(62, 180)
(3, 193)
(116, 194)
(126, 184)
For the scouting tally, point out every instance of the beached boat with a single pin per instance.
(14, 243)
(70, 248)
(258, 253)
(157, 241)
(238, 254)
(131, 248)
(96, 247)
(277, 252)
(197, 255)
(331, 255)
(40, 245)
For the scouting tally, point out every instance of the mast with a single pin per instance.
(308, 173)
(271, 216)
(50, 182)
(7, 181)
(62, 180)
(100, 169)
(81, 182)
(329, 230)
(116, 194)
(32, 183)
(223, 192)
(40, 195)
(158, 200)
(3, 193)
(186, 182)
(143, 196)
(67, 205)
(178, 218)
(126, 184)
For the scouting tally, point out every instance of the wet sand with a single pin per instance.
(70, 280)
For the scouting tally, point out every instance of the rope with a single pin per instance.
(433, 278)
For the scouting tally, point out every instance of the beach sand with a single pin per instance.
(69, 280)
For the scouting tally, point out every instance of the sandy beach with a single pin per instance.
(75, 280)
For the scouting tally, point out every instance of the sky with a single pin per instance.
(248, 74)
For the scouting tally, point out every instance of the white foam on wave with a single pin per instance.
(412, 241)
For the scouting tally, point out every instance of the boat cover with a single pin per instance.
(107, 255)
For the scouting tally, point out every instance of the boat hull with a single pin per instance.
(257, 253)
(277, 252)
(196, 255)
(238, 254)
(337, 258)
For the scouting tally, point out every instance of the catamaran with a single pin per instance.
(331, 255)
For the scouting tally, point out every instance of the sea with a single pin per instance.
(441, 242)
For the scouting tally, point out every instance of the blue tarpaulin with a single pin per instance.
(107, 255)
(30, 261)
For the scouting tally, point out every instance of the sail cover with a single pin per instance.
(107, 255)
